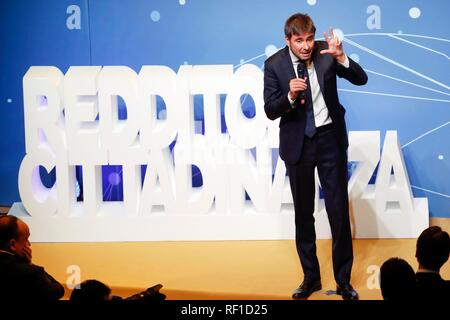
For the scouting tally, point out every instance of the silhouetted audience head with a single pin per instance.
(433, 248)
(91, 291)
(397, 280)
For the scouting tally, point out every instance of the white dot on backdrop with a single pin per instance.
(354, 57)
(311, 2)
(114, 178)
(9, 100)
(414, 12)
(440, 157)
(241, 61)
(339, 34)
(400, 31)
(162, 115)
(270, 50)
(182, 2)
(185, 63)
(155, 16)
(77, 189)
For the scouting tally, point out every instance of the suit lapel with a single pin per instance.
(287, 64)
(319, 67)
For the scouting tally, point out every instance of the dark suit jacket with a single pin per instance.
(279, 71)
(431, 286)
(21, 281)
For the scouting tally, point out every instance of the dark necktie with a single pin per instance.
(306, 100)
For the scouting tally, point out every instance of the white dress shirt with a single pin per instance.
(321, 115)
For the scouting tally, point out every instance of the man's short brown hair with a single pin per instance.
(297, 24)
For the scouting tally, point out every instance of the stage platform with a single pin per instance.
(266, 270)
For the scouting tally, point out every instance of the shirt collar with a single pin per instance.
(423, 270)
(294, 59)
(4, 251)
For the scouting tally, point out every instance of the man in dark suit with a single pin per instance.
(432, 252)
(20, 279)
(300, 87)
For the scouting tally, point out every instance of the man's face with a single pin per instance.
(21, 246)
(301, 45)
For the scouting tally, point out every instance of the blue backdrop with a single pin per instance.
(403, 45)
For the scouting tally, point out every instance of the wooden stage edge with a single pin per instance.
(219, 270)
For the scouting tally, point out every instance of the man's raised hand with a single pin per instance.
(334, 46)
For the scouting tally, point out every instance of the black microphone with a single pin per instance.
(301, 72)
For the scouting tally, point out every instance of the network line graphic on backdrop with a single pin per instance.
(443, 92)
(439, 90)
